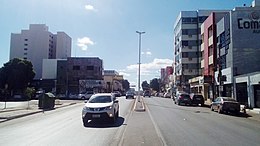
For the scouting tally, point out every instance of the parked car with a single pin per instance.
(86, 95)
(147, 93)
(225, 104)
(101, 106)
(197, 99)
(117, 93)
(182, 98)
(129, 94)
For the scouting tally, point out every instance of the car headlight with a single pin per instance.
(108, 107)
(86, 108)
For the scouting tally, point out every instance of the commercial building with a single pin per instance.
(113, 81)
(38, 43)
(239, 49)
(230, 55)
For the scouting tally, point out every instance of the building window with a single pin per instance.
(76, 67)
(26, 44)
(210, 31)
(25, 39)
(210, 50)
(25, 58)
(90, 67)
(190, 59)
(25, 53)
(190, 70)
(25, 49)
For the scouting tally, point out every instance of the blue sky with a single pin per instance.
(107, 28)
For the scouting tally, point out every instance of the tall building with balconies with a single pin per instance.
(187, 40)
(38, 43)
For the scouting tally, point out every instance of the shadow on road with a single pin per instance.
(105, 123)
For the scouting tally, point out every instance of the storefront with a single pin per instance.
(251, 84)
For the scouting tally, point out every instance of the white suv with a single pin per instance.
(101, 106)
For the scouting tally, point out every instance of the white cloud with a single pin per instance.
(84, 42)
(125, 74)
(148, 53)
(90, 8)
(154, 65)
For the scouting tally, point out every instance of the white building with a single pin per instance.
(39, 43)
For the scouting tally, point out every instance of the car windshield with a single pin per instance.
(100, 99)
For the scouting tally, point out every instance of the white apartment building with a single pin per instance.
(38, 43)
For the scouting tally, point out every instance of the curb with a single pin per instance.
(136, 107)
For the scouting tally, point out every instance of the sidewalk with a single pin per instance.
(20, 109)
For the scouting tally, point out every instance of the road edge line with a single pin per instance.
(159, 134)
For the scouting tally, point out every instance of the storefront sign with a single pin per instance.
(251, 23)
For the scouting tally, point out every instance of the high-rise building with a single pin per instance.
(38, 43)
(187, 40)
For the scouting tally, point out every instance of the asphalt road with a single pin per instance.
(62, 127)
(199, 126)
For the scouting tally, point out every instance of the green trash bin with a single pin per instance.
(46, 101)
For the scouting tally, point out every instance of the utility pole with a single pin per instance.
(139, 62)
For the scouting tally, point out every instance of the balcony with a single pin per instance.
(211, 41)
(210, 59)
(202, 47)
(202, 63)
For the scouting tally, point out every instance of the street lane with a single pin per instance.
(188, 125)
(62, 127)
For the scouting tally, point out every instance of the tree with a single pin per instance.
(126, 85)
(154, 84)
(145, 85)
(16, 74)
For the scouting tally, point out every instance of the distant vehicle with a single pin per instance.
(101, 106)
(117, 93)
(73, 96)
(182, 98)
(85, 96)
(147, 93)
(197, 99)
(129, 94)
(167, 95)
(225, 104)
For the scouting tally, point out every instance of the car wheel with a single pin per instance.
(113, 119)
(211, 107)
(117, 114)
(85, 122)
(220, 111)
(202, 104)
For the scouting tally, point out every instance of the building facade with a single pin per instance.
(239, 48)
(113, 81)
(187, 42)
(38, 43)
(79, 74)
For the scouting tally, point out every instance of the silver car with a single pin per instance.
(103, 106)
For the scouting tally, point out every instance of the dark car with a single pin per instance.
(129, 94)
(147, 93)
(182, 98)
(225, 104)
(197, 99)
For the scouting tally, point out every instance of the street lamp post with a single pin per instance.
(139, 63)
